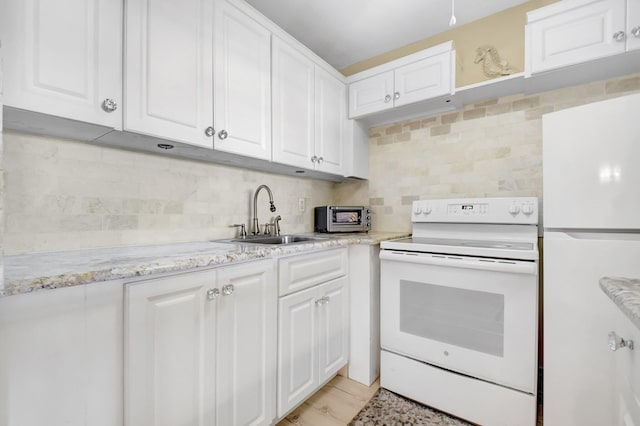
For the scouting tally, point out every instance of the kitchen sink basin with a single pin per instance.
(276, 240)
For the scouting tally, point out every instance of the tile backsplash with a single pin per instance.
(61, 194)
(489, 149)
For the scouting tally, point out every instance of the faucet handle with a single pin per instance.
(243, 230)
(267, 228)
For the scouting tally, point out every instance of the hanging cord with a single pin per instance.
(452, 21)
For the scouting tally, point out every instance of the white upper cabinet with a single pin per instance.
(330, 122)
(633, 24)
(418, 77)
(64, 58)
(168, 69)
(309, 112)
(242, 83)
(371, 95)
(575, 31)
(293, 106)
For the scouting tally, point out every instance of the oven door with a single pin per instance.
(475, 316)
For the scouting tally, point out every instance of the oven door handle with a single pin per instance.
(453, 261)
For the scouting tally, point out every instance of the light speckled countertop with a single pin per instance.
(42, 271)
(625, 293)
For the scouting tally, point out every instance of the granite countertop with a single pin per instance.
(32, 272)
(625, 293)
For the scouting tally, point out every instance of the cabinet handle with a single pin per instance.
(635, 31)
(322, 301)
(209, 131)
(213, 293)
(320, 160)
(619, 36)
(616, 342)
(387, 99)
(223, 134)
(109, 105)
(227, 290)
(396, 96)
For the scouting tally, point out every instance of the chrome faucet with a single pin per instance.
(256, 225)
(276, 225)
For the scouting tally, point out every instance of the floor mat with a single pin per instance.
(386, 408)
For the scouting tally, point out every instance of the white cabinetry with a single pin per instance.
(575, 31)
(418, 77)
(64, 58)
(242, 83)
(61, 357)
(309, 107)
(312, 324)
(200, 347)
(312, 340)
(168, 69)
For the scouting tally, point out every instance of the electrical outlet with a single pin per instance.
(301, 205)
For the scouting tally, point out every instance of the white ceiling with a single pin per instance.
(344, 32)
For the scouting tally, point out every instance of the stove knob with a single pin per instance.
(514, 209)
(417, 210)
(427, 210)
(527, 209)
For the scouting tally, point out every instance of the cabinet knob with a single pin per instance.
(222, 134)
(109, 105)
(227, 290)
(213, 293)
(635, 31)
(396, 96)
(619, 36)
(209, 131)
(320, 160)
(314, 159)
(387, 99)
(616, 342)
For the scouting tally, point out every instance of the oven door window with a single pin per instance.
(466, 318)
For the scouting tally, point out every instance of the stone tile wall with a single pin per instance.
(63, 194)
(489, 149)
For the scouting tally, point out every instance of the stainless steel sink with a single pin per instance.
(276, 240)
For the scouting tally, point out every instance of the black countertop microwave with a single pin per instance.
(342, 219)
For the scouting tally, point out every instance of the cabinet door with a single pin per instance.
(330, 122)
(423, 79)
(297, 351)
(370, 95)
(242, 84)
(571, 32)
(627, 373)
(293, 106)
(170, 351)
(63, 58)
(333, 328)
(168, 69)
(246, 351)
(633, 24)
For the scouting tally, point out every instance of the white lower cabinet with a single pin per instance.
(200, 348)
(312, 340)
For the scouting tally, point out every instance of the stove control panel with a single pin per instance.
(516, 210)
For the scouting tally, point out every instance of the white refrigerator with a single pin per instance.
(591, 219)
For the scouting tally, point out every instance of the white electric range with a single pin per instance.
(459, 309)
